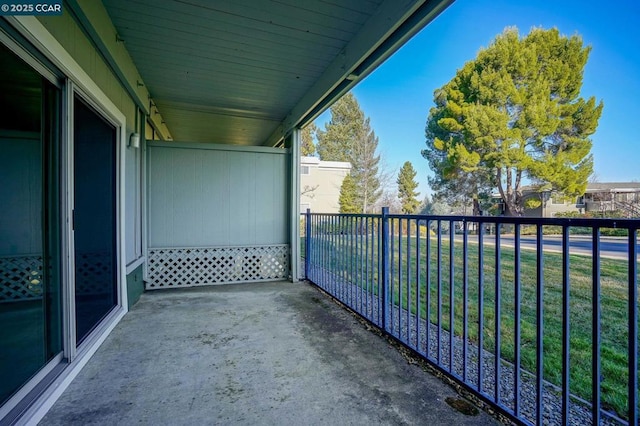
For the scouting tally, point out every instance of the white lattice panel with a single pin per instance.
(20, 278)
(187, 267)
(94, 273)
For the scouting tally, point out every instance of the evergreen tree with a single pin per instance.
(348, 137)
(364, 167)
(514, 113)
(336, 141)
(348, 197)
(307, 148)
(407, 188)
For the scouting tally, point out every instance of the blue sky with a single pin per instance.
(398, 95)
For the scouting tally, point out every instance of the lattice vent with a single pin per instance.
(20, 278)
(187, 267)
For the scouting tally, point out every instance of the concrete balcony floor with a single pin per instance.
(254, 354)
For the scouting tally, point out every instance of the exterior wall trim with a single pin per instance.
(219, 147)
(134, 265)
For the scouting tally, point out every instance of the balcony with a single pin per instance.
(276, 353)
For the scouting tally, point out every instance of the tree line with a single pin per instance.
(349, 137)
(512, 117)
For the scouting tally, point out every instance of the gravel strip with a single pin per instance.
(405, 327)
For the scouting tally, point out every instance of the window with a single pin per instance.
(304, 170)
(622, 197)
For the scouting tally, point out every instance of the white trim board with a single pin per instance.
(219, 147)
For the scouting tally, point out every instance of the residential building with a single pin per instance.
(320, 183)
(623, 198)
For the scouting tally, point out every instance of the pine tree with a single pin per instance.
(407, 188)
(364, 167)
(511, 114)
(307, 148)
(348, 137)
(336, 141)
(348, 197)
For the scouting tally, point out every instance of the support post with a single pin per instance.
(292, 142)
(384, 250)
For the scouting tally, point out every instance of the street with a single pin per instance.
(610, 247)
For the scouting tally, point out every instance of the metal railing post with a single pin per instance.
(633, 328)
(307, 243)
(384, 251)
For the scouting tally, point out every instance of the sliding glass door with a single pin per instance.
(30, 284)
(59, 227)
(94, 218)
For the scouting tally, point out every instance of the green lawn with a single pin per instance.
(614, 310)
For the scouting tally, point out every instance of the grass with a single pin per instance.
(614, 307)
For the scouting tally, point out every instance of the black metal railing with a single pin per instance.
(537, 317)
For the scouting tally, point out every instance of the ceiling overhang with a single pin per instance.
(245, 72)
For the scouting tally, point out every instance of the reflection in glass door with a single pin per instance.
(30, 295)
(94, 218)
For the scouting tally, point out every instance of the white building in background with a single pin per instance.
(320, 183)
(599, 198)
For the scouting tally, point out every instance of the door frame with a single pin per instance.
(117, 120)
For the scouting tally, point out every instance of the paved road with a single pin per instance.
(610, 247)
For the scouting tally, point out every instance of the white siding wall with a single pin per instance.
(212, 196)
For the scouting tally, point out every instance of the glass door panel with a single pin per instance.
(30, 292)
(94, 218)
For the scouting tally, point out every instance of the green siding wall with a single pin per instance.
(135, 286)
